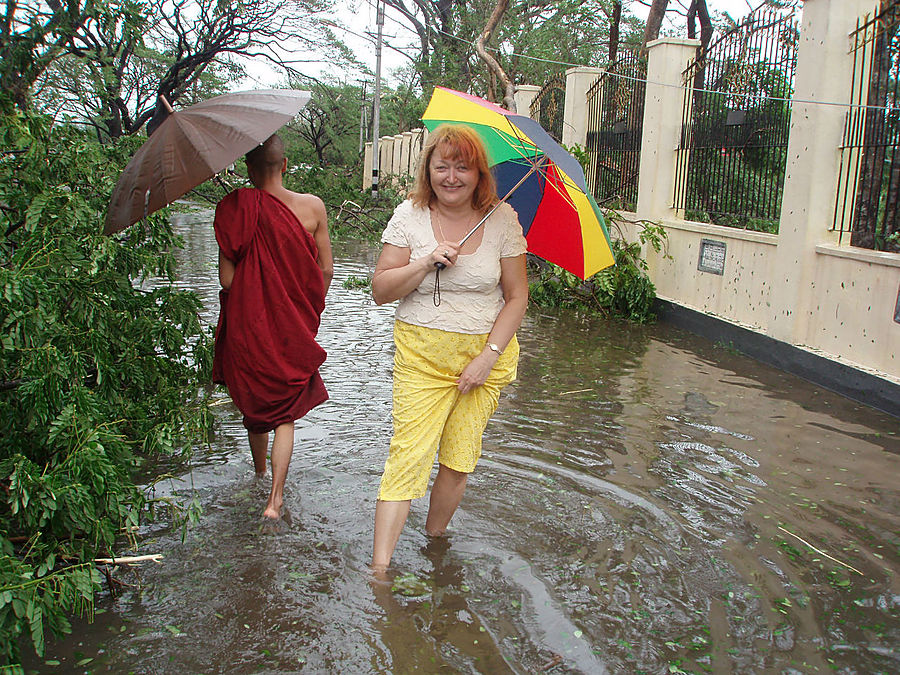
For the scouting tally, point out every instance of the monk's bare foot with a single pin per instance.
(273, 510)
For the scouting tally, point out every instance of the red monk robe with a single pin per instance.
(266, 352)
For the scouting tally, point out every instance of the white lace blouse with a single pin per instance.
(471, 296)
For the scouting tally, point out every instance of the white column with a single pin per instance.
(367, 167)
(578, 81)
(525, 94)
(824, 73)
(397, 160)
(663, 109)
(386, 158)
(405, 147)
(418, 142)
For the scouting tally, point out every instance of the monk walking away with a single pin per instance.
(275, 266)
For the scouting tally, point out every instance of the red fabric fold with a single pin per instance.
(266, 352)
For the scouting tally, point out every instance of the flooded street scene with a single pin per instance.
(646, 502)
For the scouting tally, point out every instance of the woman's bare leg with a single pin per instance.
(259, 446)
(390, 517)
(446, 493)
(282, 449)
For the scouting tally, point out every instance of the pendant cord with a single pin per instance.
(436, 296)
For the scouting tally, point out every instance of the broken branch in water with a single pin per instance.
(128, 560)
(820, 552)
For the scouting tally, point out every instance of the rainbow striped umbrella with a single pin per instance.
(560, 218)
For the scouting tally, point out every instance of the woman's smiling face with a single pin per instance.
(453, 180)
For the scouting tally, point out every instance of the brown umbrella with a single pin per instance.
(194, 144)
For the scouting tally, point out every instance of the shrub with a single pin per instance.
(99, 371)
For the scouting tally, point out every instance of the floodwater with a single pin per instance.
(647, 502)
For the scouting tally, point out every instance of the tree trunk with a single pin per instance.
(509, 91)
(654, 21)
(615, 20)
(699, 10)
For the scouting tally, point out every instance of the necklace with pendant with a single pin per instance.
(437, 219)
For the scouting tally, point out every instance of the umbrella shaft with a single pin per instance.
(497, 205)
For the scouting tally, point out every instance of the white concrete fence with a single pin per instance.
(800, 286)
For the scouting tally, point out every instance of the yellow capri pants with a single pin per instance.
(429, 412)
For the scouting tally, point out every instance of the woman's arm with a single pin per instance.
(396, 275)
(514, 282)
(226, 271)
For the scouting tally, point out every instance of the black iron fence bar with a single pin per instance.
(594, 124)
(615, 121)
(867, 198)
(549, 104)
(850, 155)
(732, 153)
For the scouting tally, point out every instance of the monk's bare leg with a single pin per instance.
(282, 449)
(446, 494)
(259, 446)
(390, 517)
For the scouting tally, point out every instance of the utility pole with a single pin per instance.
(376, 112)
(362, 117)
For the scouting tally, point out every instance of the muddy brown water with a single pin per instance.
(647, 502)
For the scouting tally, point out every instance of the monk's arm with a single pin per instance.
(323, 242)
(226, 271)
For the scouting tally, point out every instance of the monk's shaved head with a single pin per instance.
(268, 156)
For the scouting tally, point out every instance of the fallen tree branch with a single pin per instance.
(130, 559)
(820, 552)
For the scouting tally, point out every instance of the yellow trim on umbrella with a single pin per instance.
(597, 253)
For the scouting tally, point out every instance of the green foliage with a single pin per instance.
(623, 290)
(100, 359)
(355, 283)
(352, 211)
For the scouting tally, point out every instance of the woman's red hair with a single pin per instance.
(457, 142)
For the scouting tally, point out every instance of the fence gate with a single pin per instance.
(614, 123)
(735, 125)
(868, 198)
(548, 106)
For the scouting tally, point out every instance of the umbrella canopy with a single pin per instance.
(194, 144)
(559, 216)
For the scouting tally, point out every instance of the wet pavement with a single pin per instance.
(647, 502)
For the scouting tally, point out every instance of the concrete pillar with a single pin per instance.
(418, 142)
(578, 81)
(397, 159)
(525, 94)
(367, 167)
(813, 158)
(663, 107)
(386, 161)
(405, 147)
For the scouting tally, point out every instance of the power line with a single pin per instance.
(644, 80)
(680, 86)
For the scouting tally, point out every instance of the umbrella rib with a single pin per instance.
(533, 161)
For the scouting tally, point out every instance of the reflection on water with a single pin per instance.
(647, 503)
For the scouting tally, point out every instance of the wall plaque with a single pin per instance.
(712, 256)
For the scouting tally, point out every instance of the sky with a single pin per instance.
(359, 17)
